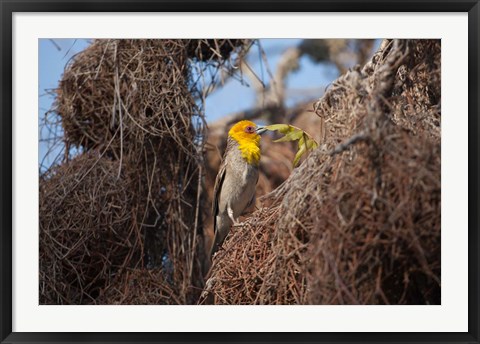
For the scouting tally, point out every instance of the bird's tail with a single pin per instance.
(217, 241)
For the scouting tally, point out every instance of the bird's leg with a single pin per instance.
(230, 215)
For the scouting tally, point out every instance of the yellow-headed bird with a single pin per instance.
(234, 189)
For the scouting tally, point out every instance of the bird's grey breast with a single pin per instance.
(241, 182)
(244, 171)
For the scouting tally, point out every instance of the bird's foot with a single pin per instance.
(230, 215)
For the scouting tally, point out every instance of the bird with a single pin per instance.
(235, 184)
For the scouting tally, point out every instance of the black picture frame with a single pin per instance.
(8, 7)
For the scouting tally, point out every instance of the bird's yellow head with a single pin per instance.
(247, 135)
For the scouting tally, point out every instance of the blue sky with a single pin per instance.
(308, 82)
(235, 97)
(53, 56)
(52, 59)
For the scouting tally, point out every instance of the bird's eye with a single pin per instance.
(249, 129)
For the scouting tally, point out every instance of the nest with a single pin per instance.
(87, 230)
(130, 200)
(120, 95)
(359, 221)
(215, 49)
(140, 287)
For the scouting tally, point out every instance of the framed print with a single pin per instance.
(245, 172)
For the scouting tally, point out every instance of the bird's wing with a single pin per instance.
(216, 192)
(252, 201)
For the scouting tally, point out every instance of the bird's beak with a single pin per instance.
(260, 130)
